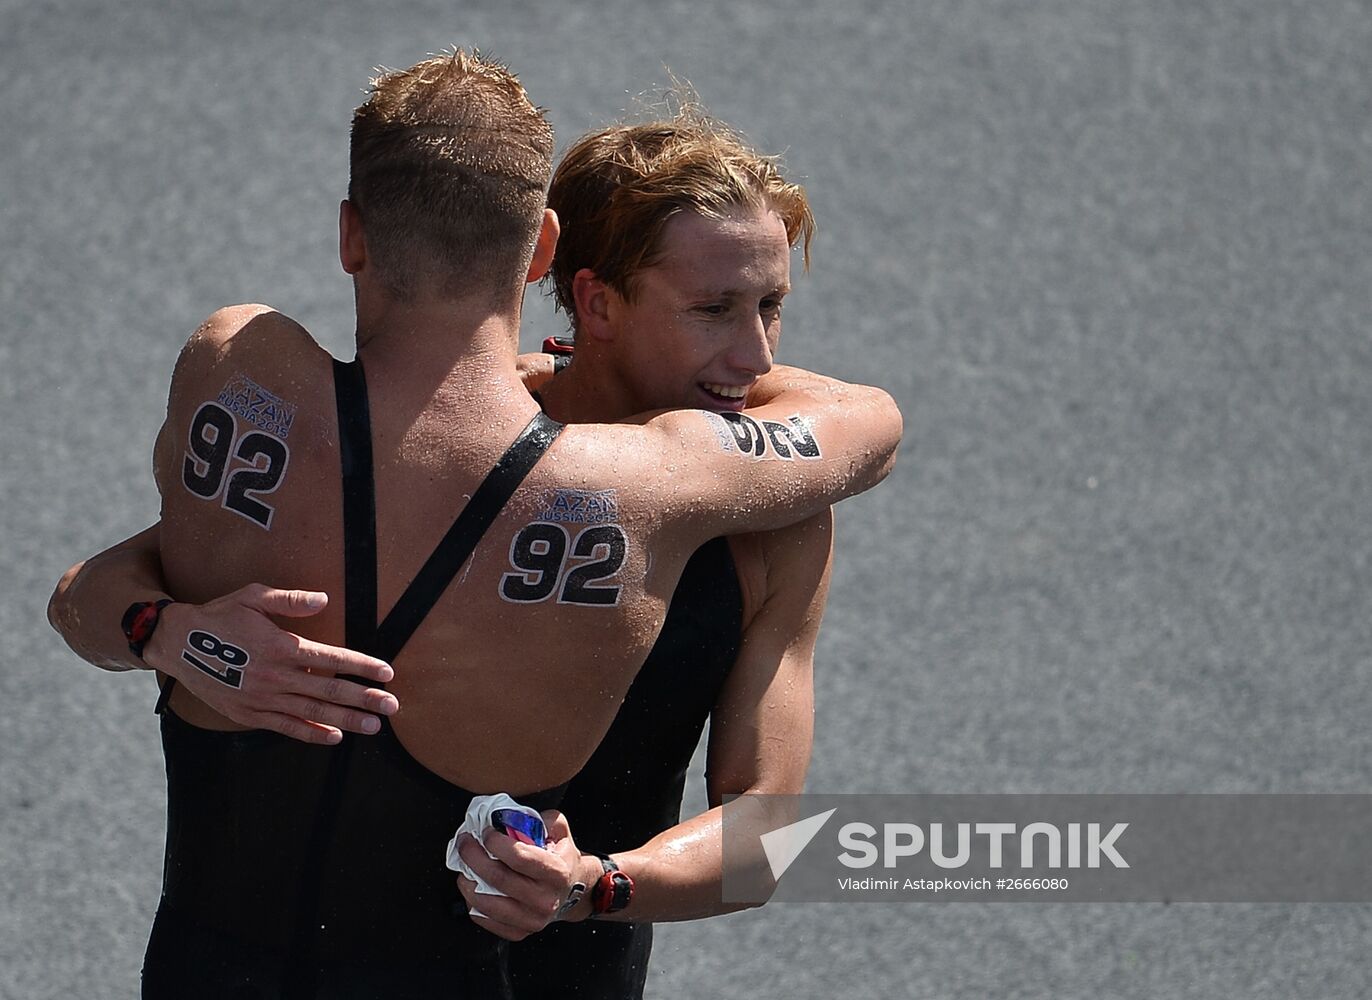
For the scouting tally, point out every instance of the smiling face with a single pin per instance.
(701, 324)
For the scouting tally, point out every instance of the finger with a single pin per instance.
(499, 929)
(339, 660)
(468, 890)
(325, 714)
(507, 912)
(337, 691)
(556, 824)
(499, 876)
(498, 914)
(540, 889)
(529, 861)
(543, 894)
(298, 729)
(493, 872)
(290, 603)
(567, 850)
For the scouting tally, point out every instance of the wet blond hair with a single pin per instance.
(449, 167)
(616, 189)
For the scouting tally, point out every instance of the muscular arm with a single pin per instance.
(814, 441)
(277, 692)
(90, 599)
(760, 737)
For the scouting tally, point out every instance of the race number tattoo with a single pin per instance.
(540, 553)
(790, 440)
(213, 444)
(233, 658)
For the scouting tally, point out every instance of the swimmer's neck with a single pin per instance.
(588, 391)
(463, 344)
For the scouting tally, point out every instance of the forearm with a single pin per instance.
(770, 466)
(783, 379)
(870, 421)
(678, 875)
(90, 600)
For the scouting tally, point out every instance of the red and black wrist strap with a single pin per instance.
(140, 621)
(561, 348)
(138, 624)
(612, 891)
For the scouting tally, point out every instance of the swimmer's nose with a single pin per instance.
(752, 349)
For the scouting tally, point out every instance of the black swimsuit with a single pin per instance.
(630, 790)
(296, 871)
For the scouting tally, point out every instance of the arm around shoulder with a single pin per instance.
(90, 600)
(868, 423)
(88, 603)
(810, 442)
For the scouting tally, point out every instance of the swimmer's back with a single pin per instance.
(567, 557)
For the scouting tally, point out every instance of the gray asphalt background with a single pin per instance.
(1113, 260)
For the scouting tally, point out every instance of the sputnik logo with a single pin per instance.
(784, 845)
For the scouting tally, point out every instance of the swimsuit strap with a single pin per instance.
(464, 534)
(359, 520)
(385, 641)
(359, 505)
(299, 969)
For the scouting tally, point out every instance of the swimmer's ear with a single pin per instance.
(544, 248)
(352, 247)
(595, 306)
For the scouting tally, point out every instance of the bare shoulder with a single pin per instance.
(252, 395)
(625, 456)
(253, 359)
(647, 449)
(249, 335)
(254, 318)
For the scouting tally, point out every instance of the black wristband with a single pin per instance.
(140, 621)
